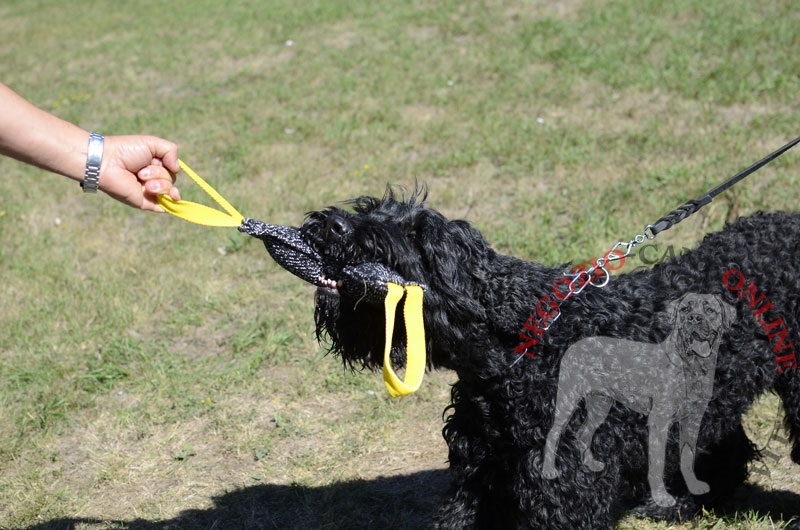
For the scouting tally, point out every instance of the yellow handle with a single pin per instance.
(415, 340)
(199, 213)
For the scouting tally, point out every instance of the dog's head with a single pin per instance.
(350, 253)
(699, 320)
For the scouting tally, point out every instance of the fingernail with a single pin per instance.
(153, 186)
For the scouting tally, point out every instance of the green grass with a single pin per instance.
(152, 370)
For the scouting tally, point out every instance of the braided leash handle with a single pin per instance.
(679, 214)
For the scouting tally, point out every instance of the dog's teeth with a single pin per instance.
(327, 282)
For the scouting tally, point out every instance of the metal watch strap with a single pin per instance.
(94, 156)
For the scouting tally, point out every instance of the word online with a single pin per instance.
(734, 280)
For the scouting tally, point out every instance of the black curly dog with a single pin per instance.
(476, 305)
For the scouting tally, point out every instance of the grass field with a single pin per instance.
(159, 375)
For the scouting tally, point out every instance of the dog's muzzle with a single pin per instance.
(366, 282)
(699, 338)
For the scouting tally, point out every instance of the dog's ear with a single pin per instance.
(678, 331)
(672, 310)
(452, 250)
(728, 312)
(456, 262)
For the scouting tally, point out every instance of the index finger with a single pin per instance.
(166, 151)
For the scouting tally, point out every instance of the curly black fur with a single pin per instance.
(475, 306)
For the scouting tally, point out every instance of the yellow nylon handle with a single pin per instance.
(415, 339)
(199, 213)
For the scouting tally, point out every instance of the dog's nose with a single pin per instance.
(336, 226)
(695, 318)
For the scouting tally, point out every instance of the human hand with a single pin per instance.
(136, 169)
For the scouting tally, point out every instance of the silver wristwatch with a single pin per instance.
(91, 176)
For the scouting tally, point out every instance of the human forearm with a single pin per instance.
(36, 137)
(135, 169)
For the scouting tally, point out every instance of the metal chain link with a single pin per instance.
(583, 278)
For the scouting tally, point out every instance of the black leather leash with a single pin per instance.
(685, 210)
(597, 275)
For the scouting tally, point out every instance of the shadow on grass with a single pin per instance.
(401, 502)
(782, 505)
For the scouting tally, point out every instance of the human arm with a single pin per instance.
(135, 169)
